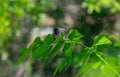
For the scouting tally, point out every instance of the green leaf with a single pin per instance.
(94, 58)
(79, 55)
(117, 44)
(56, 49)
(84, 69)
(96, 65)
(49, 39)
(41, 51)
(91, 8)
(101, 41)
(93, 49)
(24, 52)
(59, 38)
(98, 9)
(45, 55)
(38, 40)
(60, 66)
(74, 36)
(65, 62)
(82, 56)
(67, 49)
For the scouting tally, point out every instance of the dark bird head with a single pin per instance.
(57, 31)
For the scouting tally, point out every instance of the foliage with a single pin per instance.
(12, 15)
(101, 5)
(85, 60)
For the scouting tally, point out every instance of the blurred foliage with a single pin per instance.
(13, 13)
(99, 5)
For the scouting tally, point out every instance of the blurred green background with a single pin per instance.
(23, 20)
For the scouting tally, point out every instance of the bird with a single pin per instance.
(57, 31)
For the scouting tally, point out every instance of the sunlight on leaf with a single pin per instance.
(101, 41)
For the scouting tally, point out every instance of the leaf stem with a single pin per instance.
(107, 64)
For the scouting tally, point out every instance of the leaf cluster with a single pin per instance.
(85, 59)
